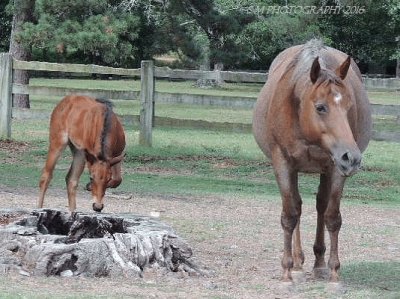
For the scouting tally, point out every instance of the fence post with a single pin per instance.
(147, 102)
(5, 95)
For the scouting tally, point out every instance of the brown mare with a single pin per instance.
(95, 136)
(312, 115)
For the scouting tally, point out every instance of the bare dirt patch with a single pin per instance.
(238, 239)
(12, 150)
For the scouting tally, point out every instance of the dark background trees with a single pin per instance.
(240, 34)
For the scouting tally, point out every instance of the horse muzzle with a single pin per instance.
(347, 161)
(97, 207)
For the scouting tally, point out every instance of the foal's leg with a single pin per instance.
(333, 222)
(291, 209)
(57, 145)
(74, 173)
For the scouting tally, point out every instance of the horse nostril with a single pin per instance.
(347, 157)
(348, 161)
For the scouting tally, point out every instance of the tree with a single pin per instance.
(220, 27)
(263, 39)
(199, 29)
(5, 24)
(86, 31)
(368, 35)
(22, 12)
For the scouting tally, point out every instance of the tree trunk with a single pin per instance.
(398, 58)
(52, 242)
(23, 12)
(218, 68)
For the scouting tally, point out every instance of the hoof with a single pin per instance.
(97, 208)
(321, 273)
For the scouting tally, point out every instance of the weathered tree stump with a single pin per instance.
(53, 242)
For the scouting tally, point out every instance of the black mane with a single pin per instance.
(106, 127)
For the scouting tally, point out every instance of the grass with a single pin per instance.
(229, 89)
(181, 111)
(191, 162)
(199, 162)
(233, 89)
(372, 279)
(384, 97)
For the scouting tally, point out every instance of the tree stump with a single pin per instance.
(52, 242)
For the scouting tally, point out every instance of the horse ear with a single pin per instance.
(342, 70)
(117, 159)
(315, 70)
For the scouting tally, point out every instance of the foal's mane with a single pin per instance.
(302, 61)
(106, 126)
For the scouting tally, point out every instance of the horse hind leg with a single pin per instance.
(74, 173)
(57, 145)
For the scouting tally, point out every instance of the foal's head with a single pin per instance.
(100, 175)
(324, 116)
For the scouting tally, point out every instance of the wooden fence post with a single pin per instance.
(147, 102)
(5, 95)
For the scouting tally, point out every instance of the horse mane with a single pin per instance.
(302, 61)
(106, 127)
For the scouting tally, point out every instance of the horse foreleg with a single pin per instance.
(116, 176)
(55, 150)
(291, 209)
(72, 178)
(321, 205)
(333, 222)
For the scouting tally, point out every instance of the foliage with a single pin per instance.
(97, 34)
(370, 36)
(5, 24)
(238, 33)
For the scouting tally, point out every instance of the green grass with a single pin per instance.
(372, 279)
(229, 89)
(233, 89)
(181, 111)
(384, 97)
(199, 162)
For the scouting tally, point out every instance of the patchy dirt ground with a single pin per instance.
(239, 240)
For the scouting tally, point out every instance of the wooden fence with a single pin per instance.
(148, 96)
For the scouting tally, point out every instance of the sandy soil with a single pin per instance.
(239, 241)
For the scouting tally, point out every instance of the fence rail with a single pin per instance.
(148, 96)
(72, 68)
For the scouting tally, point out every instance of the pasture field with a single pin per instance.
(182, 111)
(218, 191)
(234, 89)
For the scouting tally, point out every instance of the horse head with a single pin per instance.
(100, 178)
(324, 118)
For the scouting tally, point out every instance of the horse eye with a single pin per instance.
(321, 108)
